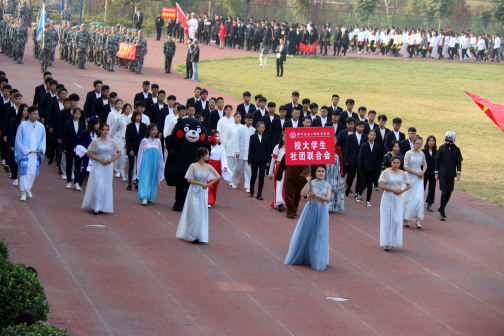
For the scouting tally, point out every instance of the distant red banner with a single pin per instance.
(127, 51)
(169, 13)
(312, 48)
(308, 146)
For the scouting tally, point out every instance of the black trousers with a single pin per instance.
(465, 54)
(189, 70)
(51, 143)
(158, 33)
(279, 64)
(446, 185)
(292, 48)
(432, 188)
(451, 52)
(131, 165)
(480, 55)
(261, 166)
(13, 166)
(440, 51)
(337, 48)
(345, 48)
(352, 172)
(367, 179)
(138, 26)
(411, 50)
(71, 161)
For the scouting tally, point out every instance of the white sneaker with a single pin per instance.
(144, 202)
(77, 187)
(209, 206)
(63, 177)
(247, 190)
(69, 185)
(15, 182)
(368, 203)
(125, 178)
(234, 186)
(29, 194)
(230, 183)
(23, 196)
(118, 175)
(3, 162)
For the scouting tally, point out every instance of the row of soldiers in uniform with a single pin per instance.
(44, 45)
(22, 11)
(13, 38)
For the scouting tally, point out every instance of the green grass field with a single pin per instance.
(425, 94)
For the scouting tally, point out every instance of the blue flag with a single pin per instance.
(42, 22)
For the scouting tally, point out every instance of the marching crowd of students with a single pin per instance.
(90, 146)
(265, 35)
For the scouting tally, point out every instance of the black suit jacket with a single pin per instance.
(318, 122)
(258, 116)
(190, 101)
(448, 161)
(405, 146)
(352, 148)
(148, 102)
(343, 117)
(290, 108)
(259, 151)
(69, 137)
(199, 106)
(267, 122)
(370, 160)
(52, 115)
(431, 162)
(140, 97)
(342, 140)
(138, 18)
(337, 130)
(62, 117)
(156, 115)
(213, 120)
(206, 114)
(133, 138)
(241, 109)
(10, 112)
(288, 123)
(159, 22)
(330, 110)
(276, 132)
(100, 110)
(88, 105)
(389, 137)
(43, 107)
(38, 90)
(381, 141)
(368, 128)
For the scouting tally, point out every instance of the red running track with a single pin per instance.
(126, 273)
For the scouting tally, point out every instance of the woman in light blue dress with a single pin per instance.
(151, 163)
(193, 224)
(310, 241)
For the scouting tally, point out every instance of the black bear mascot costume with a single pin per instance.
(188, 135)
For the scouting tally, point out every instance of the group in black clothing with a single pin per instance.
(366, 146)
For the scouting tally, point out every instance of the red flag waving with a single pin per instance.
(181, 16)
(492, 110)
(312, 48)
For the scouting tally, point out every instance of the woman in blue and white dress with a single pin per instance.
(415, 166)
(310, 241)
(151, 165)
(392, 181)
(193, 224)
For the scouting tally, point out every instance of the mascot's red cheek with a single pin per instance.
(202, 136)
(180, 134)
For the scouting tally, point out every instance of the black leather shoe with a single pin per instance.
(429, 208)
(347, 191)
(443, 215)
(280, 208)
(128, 187)
(259, 197)
(251, 194)
(136, 187)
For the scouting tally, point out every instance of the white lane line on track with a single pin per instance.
(80, 87)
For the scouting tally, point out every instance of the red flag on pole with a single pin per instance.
(312, 48)
(494, 111)
(181, 16)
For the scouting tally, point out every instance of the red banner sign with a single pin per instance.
(310, 145)
(312, 48)
(127, 51)
(169, 13)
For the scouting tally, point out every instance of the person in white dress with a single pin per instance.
(112, 121)
(181, 113)
(228, 140)
(99, 192)
(415, 165)
(276, 158)
(193, 224)
(193, 25)
(226, 120)
(241, 153)
(118, 133)
(392, 181)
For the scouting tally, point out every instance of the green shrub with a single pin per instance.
(4, 251)
(20, 291)
(34, 330)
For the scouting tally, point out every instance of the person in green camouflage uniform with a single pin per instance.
(36, 46)
(53, 33)
(29, 13)
(45, 48)
(92, 31)
(75, 31)
(141, 51)
(61, 39)
(3, 27)
(82, 43)
(66, 15)
(98, 36)
(1, 9)
(103, 41)
(169, 51)
(112, 46)
(7, 8)
(21, 39)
